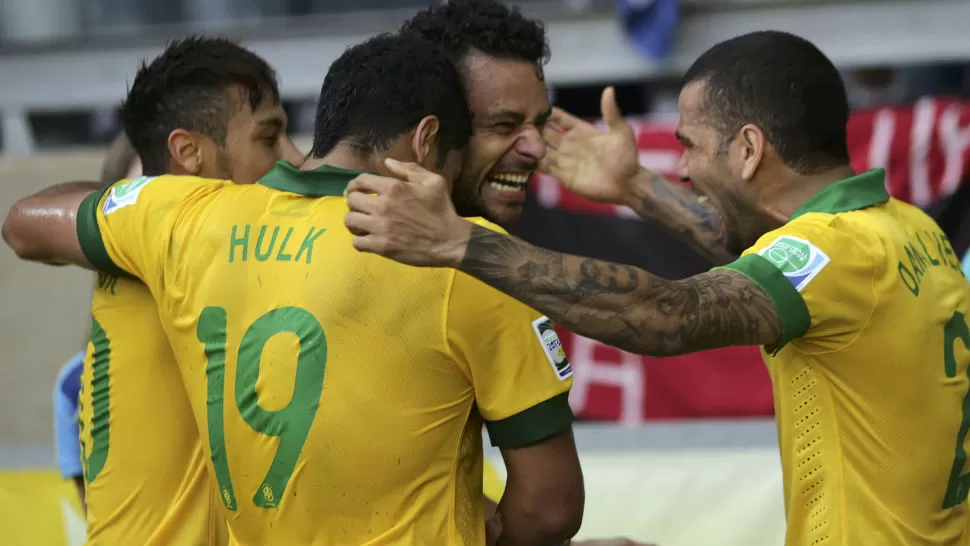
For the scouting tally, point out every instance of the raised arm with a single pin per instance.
(622, 305)
(415, 223)
(43, 226)
(604, 166)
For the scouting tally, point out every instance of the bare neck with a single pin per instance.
(344, 157)
(796, 189)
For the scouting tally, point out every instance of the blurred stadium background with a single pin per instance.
(681, 451)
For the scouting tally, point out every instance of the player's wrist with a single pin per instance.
(638, 187)
(453, 249)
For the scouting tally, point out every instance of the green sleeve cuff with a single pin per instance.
(788, 302)
(89, 235)
(533, 424)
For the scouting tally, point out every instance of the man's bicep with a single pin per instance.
(517, 366)
(42, 227)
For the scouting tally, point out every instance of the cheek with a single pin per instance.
(250, 166)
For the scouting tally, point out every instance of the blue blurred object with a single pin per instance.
(651, 25)
(66, 436)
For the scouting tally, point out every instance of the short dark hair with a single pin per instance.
(461, 26)
(188, 87)
(785, 86)
(379, 89)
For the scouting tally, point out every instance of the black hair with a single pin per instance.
(189, 87)
(785, 86)
(379, 89)
(463, 26)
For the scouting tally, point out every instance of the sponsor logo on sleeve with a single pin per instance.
(124, 194)
(797, 259)
(552, 347)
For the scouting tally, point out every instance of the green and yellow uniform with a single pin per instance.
(870, 377)
(340, 395)
(144, 469)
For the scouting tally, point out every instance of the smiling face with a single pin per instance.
(714, 169)
(509, 106)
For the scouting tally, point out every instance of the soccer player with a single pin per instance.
(500, 55)
(119, 161)
(342, 396)
(856, 298)
(205, 107)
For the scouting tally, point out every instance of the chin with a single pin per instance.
(504, 215)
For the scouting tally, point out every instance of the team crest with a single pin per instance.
(552, 347)
(124, 194)
(799, 260)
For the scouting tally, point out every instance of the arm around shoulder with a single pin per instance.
(43, 227)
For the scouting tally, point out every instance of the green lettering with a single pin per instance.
(263, 256)
(926, 250)
(280, 257)
(909, 279)
(107, 282)
(308, 244)
(241, 241)
(948, 250)
(915, 260)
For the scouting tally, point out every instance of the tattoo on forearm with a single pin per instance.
(622, 305)
(678, 210)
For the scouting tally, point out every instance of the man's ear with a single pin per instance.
(753, 143)
(187, 152)
(424, 141)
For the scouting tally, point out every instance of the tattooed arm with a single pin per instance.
(679, 211)
(622, 305)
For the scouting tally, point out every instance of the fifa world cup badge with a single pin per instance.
(551, 345)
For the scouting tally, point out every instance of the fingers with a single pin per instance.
(370, 183)
(552, 136)
(551, 165)
(565, 120)
(363, 202)
(611, 111)
(412, 172)
(359, 223)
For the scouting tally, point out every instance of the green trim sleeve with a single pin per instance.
(533, 424)
(89, 235)
(788, 302)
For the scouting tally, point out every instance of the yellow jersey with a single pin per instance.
(144, 469)
(340, 395)
(870, 377)
(494, 486)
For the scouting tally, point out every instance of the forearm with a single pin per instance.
(42, 227)
(678, 210)
(622, 305)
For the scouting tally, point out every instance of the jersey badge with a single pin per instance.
(552, 347)
(124, 194)
(799, 260)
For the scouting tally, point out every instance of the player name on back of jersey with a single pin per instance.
(923, 251)
(262, 243)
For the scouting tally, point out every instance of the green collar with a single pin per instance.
(854, 193)
(319, 182)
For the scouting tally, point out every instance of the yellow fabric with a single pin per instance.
(869, 415)
(38, 507)
(335, 391)
(493, 484)
(146, 481)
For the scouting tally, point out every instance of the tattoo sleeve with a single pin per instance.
(679, 211)
(622, 305)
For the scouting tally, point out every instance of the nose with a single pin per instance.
(531, 144)
(680, 169)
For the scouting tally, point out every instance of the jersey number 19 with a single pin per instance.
(290, 424)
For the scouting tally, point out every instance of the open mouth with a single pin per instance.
(509, 182)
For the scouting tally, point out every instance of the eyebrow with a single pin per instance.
(518, 117)
(276, 123)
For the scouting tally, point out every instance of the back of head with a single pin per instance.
(784, 85)
(196, 84)
(487, 26)
(380, 89)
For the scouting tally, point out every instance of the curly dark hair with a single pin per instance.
(490, 27)
(783, 84)
(187, 87)
(380, 89)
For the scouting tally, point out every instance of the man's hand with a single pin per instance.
(599, 165)
(411, 220)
